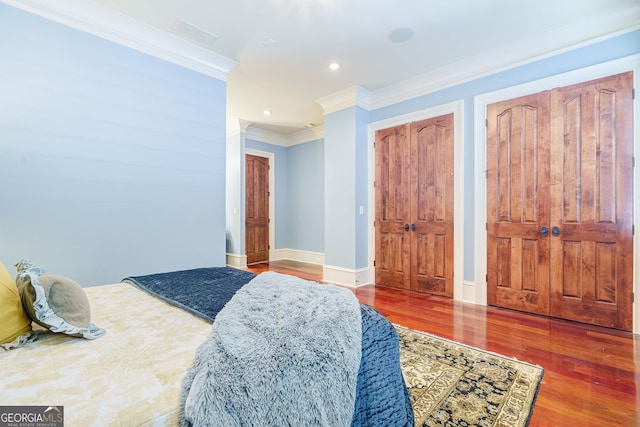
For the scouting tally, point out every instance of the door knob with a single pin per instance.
(544, 231)
(555, 231)
(413, 227)
(406, 227)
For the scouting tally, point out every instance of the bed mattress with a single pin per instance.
(130, 376)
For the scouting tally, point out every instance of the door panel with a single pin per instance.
(591, 201)
(257, 209)
(392, 207)
(517, 203)
(432, 205)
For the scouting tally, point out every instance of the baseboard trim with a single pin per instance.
(298, 255)
(469, 292)
(346, 276)
(237, 261)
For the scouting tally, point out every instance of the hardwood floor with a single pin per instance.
(592, 374)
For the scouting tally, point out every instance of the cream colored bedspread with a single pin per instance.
(129, 377)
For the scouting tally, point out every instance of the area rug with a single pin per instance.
(451, 384)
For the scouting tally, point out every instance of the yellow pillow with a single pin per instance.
(14, 322)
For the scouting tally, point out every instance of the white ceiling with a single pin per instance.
(453, 40)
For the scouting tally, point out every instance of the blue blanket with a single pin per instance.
(382, 398)
(201, 291)
(381, 395)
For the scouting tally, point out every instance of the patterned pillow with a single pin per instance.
(15, 325)
(55, 302)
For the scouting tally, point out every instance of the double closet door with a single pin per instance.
(559, 202)
(414, 206)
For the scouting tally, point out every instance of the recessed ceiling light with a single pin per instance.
(334, 66)
(267, 112)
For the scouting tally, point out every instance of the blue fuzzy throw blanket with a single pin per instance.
(282, 352)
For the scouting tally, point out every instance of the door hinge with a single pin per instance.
(633, 297)
(486, 226)
(633, 93)
(486, 278)
(374, 262)
(486, 123)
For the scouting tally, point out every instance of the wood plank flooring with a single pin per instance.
(592, 374)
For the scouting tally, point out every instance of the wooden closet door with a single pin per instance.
(432, 205)
(518, 203)
(591, 201)
(393, 263)
(257, 209)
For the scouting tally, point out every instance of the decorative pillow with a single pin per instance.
(15, 325)
(55, 302)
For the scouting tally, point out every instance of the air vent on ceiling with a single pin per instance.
(194, 32)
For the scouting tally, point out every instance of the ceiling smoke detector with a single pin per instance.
(400, 35)
(196, 33)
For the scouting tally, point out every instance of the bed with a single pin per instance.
(136, 373)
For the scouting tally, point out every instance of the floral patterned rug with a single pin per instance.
(452, 384)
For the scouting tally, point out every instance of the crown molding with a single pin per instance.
(353, 96)
(515, 55)
(266, 136)
(99, 20)
(300, 137)
(306, 135)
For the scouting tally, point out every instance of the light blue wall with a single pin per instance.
(234, 206)
(617, 47)
(112, 162)
(362, 188)
(306, 197)
(341, 194)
